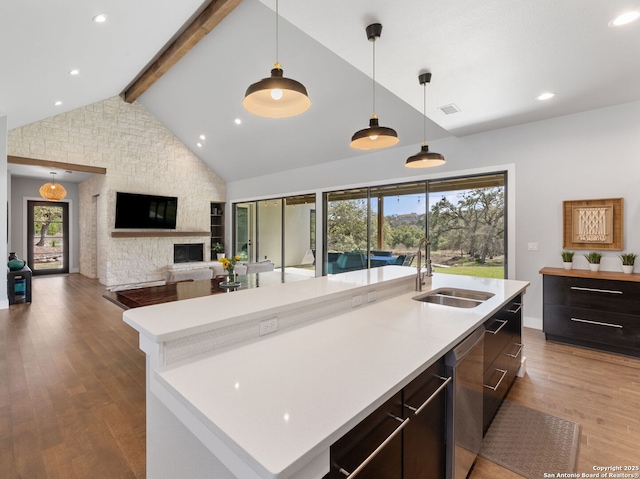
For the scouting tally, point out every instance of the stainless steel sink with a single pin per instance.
(464, 293)
(454, 297)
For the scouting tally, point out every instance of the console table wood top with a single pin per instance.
(585, 273)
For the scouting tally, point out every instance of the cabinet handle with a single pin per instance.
(377, 450)
(417, 410)
(499, 328)
(514, 311)
(518, 353)
(611, 325)
(493, 388)
(595, 290)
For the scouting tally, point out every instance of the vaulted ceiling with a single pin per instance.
(490, 58)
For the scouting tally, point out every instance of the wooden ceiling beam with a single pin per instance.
(19, 160)
(211, 16)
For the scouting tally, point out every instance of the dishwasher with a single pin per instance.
(464, 406)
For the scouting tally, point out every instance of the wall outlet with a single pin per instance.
(371, 296)
(356, 301)
(268, 326)
(532, 246)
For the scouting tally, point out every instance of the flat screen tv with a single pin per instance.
(145, 211)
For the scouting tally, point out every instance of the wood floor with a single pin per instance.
(72, 393)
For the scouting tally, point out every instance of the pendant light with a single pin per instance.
(375, 136)
(52, 191)
(426, 158)
(276, 96)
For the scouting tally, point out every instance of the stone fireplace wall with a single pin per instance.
(141, 156)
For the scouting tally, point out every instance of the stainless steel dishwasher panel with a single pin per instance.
(464, 409)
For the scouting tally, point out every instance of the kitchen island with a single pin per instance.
(225, 402)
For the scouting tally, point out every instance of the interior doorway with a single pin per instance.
(48, 237)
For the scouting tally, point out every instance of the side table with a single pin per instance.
(22, 276)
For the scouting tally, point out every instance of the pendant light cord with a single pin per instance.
(424, 113)
(277, 59)
(374, 76)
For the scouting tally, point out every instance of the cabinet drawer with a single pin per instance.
(621, 330)
(608, 295)
(354, 447)
(424, 452)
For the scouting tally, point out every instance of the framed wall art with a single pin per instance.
(593, 224)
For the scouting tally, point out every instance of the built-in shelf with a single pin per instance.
(156, 234)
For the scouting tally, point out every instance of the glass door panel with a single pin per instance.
(299, 239)
(244, 244)
(401, 213)
(467, 225)
(48, 237)
(347, 233)
(270, 231)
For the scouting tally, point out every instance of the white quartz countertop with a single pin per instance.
(279, 401)
(159, 323)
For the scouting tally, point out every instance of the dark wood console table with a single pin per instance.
(598, 310)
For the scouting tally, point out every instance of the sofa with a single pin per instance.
(346, 262)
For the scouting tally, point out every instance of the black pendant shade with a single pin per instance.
(276, 96)
(375, 136)
(425, 158)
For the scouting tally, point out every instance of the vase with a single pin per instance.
(594, 266)
(220, 256)
(15, 263)
(567, 264)
(627, 268)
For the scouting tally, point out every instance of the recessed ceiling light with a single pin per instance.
(625, 18)
(100, 18)
(548, 95)
(237, 121)
(74, 72)
(202, 137)
(58, 103)
(199, 145)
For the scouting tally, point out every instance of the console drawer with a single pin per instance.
(599, 294)
(614, 329)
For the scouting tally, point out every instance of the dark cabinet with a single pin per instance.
(502, 356)
(593, 312)
(403, 438)
(424, 438)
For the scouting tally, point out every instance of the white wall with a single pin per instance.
(4, 198)
(595, 154)
(23, 189)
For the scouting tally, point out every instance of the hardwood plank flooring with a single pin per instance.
(599, 391)
(72, 386)
(72, 391)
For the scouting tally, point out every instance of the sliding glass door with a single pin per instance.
(464, 219)
(280, 230)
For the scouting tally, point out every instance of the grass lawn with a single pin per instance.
(484, 271)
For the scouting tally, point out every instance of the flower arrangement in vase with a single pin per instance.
(567, 259)
(628, 260)
(594, 260)
(229, 264)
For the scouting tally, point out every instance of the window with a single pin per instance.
(464, 218)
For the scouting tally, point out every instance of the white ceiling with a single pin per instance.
(491, 58)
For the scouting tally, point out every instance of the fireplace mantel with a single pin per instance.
(156, 234)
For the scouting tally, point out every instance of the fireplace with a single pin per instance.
(188, 253)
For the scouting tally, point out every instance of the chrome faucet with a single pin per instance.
(427, 260)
